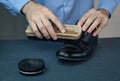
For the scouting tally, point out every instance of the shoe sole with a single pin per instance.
(71, 59)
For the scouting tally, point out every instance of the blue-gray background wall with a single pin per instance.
(13, 27)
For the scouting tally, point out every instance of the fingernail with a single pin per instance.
(40, 37)
(55, 37)
(89, 31)
(80, 24)
(94, 34)
(48, 37)
(83, 28)
(63, 30)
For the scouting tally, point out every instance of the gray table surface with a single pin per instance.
(104, 65)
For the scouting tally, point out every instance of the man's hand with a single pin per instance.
(94, 20)
(39, 18)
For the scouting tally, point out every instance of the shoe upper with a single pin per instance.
(78, 49)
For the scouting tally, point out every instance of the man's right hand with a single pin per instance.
(39, 18)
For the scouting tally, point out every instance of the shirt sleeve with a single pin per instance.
(14, 6)
(109, 5)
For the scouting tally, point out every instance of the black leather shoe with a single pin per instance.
(78, 50)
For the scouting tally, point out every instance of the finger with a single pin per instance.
(89, 21)
(94, 25)
(101, 26)
(42, 29)
(85, 17)
(35, 30)
(97, 31)
(56, 21)
(49, 28)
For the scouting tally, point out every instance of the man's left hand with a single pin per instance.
(94, 20)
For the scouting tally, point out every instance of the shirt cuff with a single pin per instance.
(18, 5)
(108, 5)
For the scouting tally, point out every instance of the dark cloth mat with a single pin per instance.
(104, 65)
